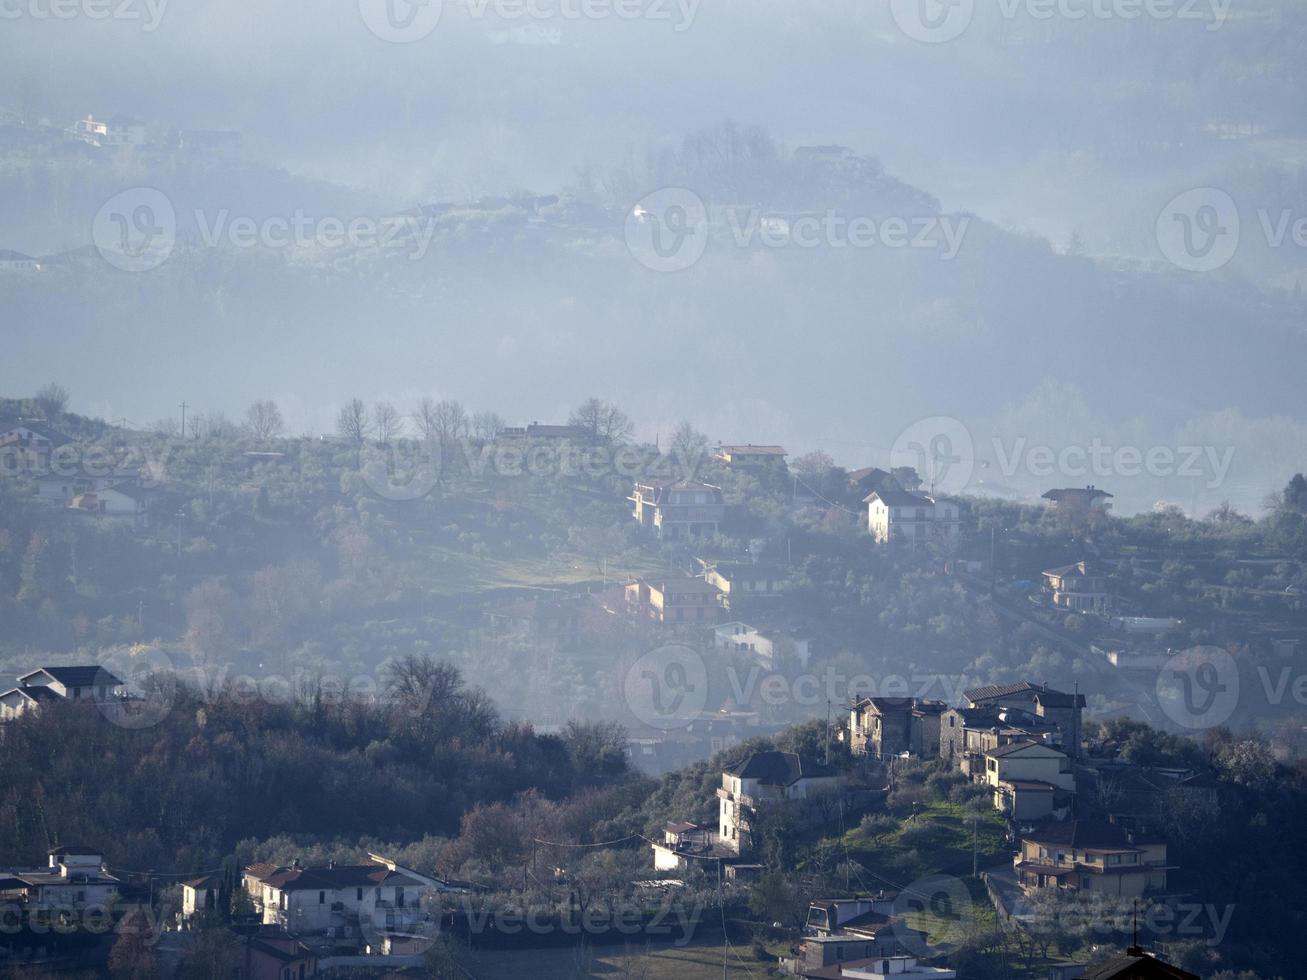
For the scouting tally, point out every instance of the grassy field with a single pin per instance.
(453, 572)
(697, 961)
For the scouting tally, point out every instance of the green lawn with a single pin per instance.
(450, 571)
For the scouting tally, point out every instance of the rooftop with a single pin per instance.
(780, 768)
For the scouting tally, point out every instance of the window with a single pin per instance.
(358, 897)
(322, 898)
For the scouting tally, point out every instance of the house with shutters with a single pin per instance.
(678, 510)
(911, 519)
(1092, 856)
(75, 878)
(310, 900)
(675, 599)
(1079, 587)
(1052, 707)
(764, 779)
(91, 684)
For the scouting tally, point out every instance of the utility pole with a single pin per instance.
(992, 569)
(828, 731)
(975, 851)
(183, 408)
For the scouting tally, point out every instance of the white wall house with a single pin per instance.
(340, 897)
(11, 261)
(902, 517)
(766, 646)
(91, 683)
(761, 780)
(75, 878)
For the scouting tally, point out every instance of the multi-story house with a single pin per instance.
(910, 519)
(673, 600)
(1091, 856)
(91, 684)
(1045, 704)
(746, 586)
(1078, 501)
(1079, 588)
(27, 446)
(751, 457)
(1029, 780)
(74, 879)
(764, 779)
(678, 510)
(966, 734)
(768, 646)
(315, 900)
(884, 727)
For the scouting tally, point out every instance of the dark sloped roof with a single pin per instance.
(1044, 693)
(204, 882)
(86, 676)
(74, 849)
(898, 498)
(341, 876)
(1073, 493)
(1134, 962)
(1011, 747)
(780, 768)
(1092, 834)
(9, 255)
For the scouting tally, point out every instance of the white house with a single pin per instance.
(341, 897)
(765, 646)
(761, 780)
(119, 131)
(899, 967)
(11, 261)
(200, 896)
(28, 445)
(911, 519)
(74, 879)
(123, 501)
(91, 683)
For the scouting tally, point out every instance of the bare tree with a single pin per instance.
(445, 421)
(52, 399)
(353, 422)
(387, 421)
(487, 425)
(264, 420)
(689, 444)
(602, 421)
(424, 417)
(195, 422)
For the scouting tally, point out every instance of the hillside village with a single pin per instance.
(820, 827)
